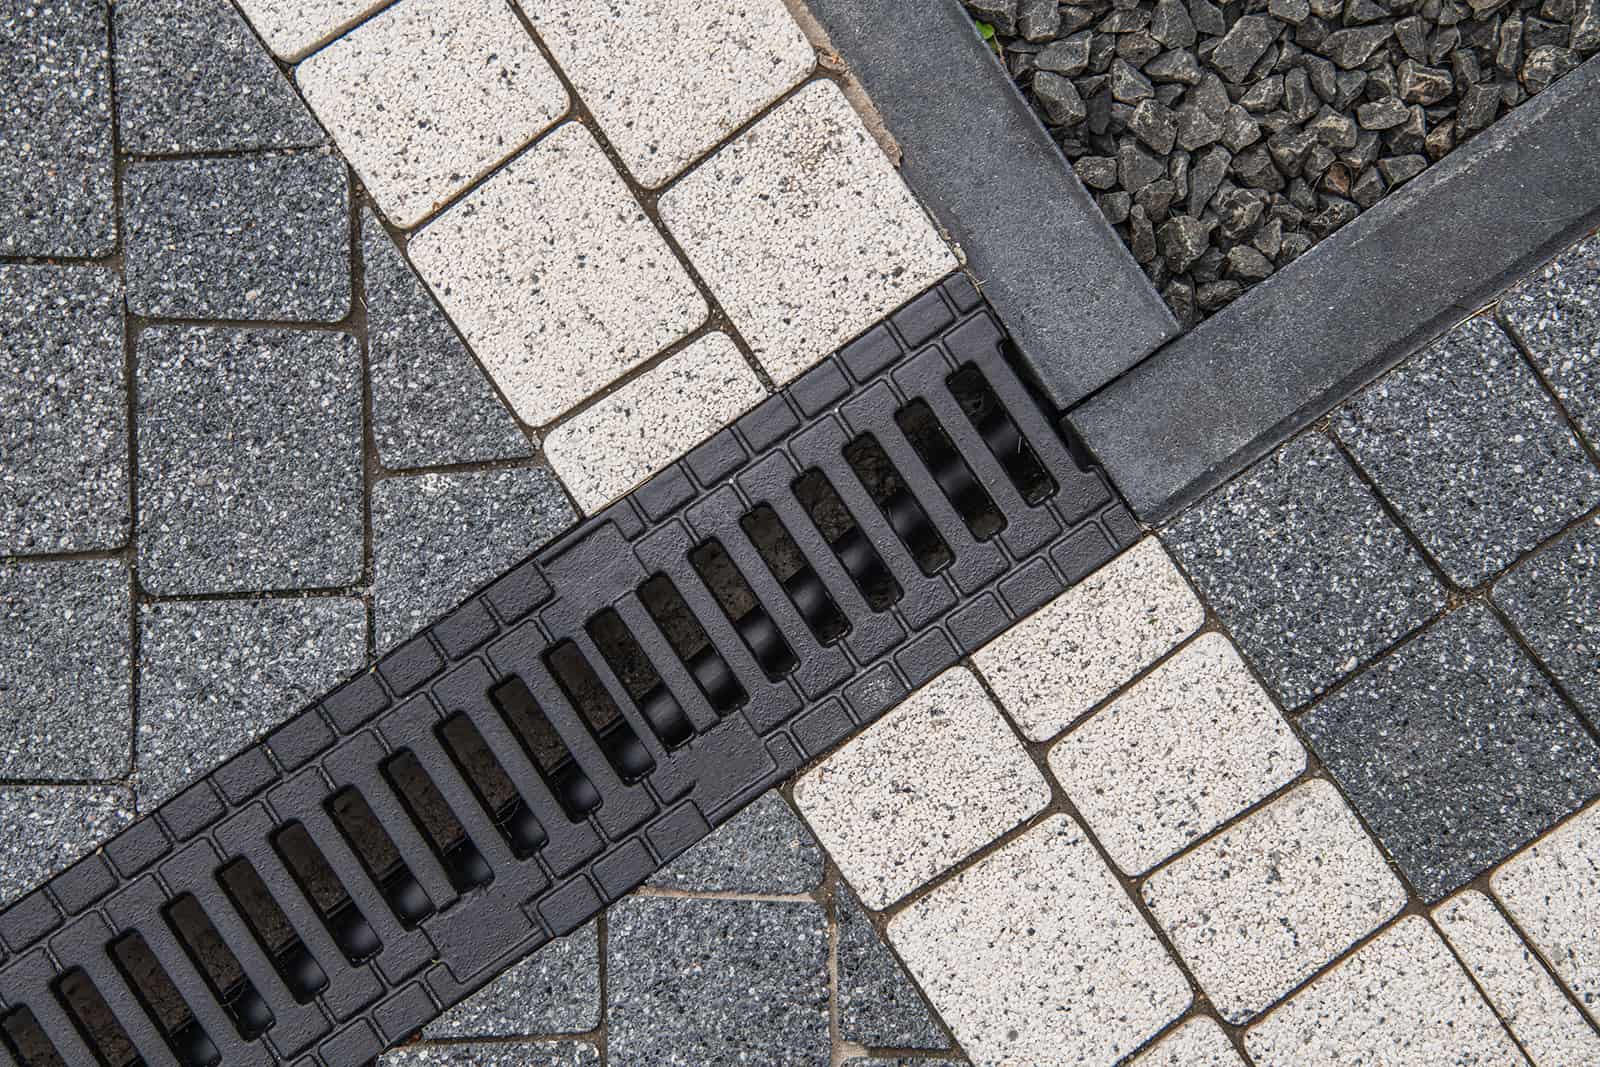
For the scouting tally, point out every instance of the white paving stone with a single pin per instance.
(426, 98)
(1197, 1043)
(929, 784)
(804, 230)
(1551, 1030)
(1036, 957)
(1552, 890)
(1257, 909)
(1189, 747)
(556, 276)
(292, 28)
(1402, 1001)
(668, 79)
(1075, 651)
(607, 449)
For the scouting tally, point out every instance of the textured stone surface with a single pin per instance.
(292, 27)
(1301, 520)
(804, 231)
(424, 99)
(927, 785)
(609, 448)
(1198, 1043)
(216, 675)
(496, 1054)
(1036, 955)
(65, 638)
(554, 991)
(878, 1005)
(1257, 909)
(250, 470)
(1557, 312)
(763, 849)
(1183, 751)
(264, 237)
(555, 276)
(1456, 750)
(717, 982)
(1467, 446)
(431, 404)
(49, 827)
(1554, 601)
(1067, 657)
(64, 437)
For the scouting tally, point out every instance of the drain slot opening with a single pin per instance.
(972, 502)
(994, 424)
(909, 522)
(838, 527)
(491, 785)
(600, 714)
(161, 1001)
(216, 962)
(317, 880)
(26, 1040)
(544, 746)
(799, 579)
(432, 815)
(94, 1020)
(638, 676)
(734, 595)
(300, 971)
(675, 619)
(367, 838)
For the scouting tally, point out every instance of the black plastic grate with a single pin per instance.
(495, 781)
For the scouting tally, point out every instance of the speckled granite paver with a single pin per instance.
(1557, 314)
(292, 27)
(48, 827)
(879, 1007)
(554, 991)
(1553, 600)
(1198, 1043)
(498, 1054)
(764, 849)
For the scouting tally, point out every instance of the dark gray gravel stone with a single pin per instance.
(48, 827)
(1455, 750)
(554, 991)
(264, 237)
(711, 983)
(250, 469)
(216, 675)
(763, 849)
(437, 537)
(431, 403)
(495, 1054)
(56, 191)
(1554, 600)
(63, 392)
(1557, 314)
(65, 640)
(1304, 567)
(879, 1007)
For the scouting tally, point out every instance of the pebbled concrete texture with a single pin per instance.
(764, 849)
(554, 991)
(879, 1007)
(1553, 600)
(496, 1054)
(51, 826)
(292, 28)
(1198, 1043)
(1556, 313)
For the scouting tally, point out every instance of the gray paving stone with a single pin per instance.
(707, 983)
(216, 675)
(264, 237)
(879, 1007)
(431, 403)
(1557, 312)
(65, 640)
(250, 470)
(1469, 449)
(48, 827)
(437, 537)
(191, 77)
(554, 991)
(56, 187)
(1554, 600)
(1455, 750)
(63, 389)
(498, 1054)
(763, 849)
(1304, 567)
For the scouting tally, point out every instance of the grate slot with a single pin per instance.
(589, 697)
(847, 540)
(96, 1023)
(738, 602)
(906, 516)
(676, 621)
(431, 813)
(495, 790)
(515, 702)
(1001, 434)
(375, 850)
(272, 929)
(316, 878)
(161, 1001)
(26, 1040)
(219, 966)
(950, 471)
(644, 686)
(794, 572)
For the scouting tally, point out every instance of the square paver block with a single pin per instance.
(1552, 890)
(1198, 1043)
(1533, 1006)
(1035, 955)
(66, 636)
(1471, 451)
(926, 786)
(250, 469)
(217, 675)
(1554, 601)
(717, 982)
(292, 28)
(765, 849)
(556, 276)
(1557, 314)
(48, 827)
(1402, 1001)
(1305, 568)
(258, 237)
(1455, 750)
(1183, 751)
(63, 389)
(804, 231)
(1081, 647)
(1257, 909)
(426, 98)
(554, 991)
(668, 80)
(494, 1054)
(607, 449)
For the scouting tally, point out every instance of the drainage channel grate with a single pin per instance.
(497, 780)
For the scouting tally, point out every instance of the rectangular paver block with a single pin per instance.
(1557, 315)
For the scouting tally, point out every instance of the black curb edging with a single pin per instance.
(1230, 391)
(1077, 304)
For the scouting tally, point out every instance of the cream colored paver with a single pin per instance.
(668, 79)
(1197, 1043)
(427, 97)
(804, 230)
(556, 276)
(1257, 909)
(1402, 1001)
(292, 28)
(1036, 957)
(926, 786)
(623, 439)
(1552, 890)
(1074, 652)
(1189, 747)
(1551, 1030)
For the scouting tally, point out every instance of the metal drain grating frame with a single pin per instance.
(490, 855)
